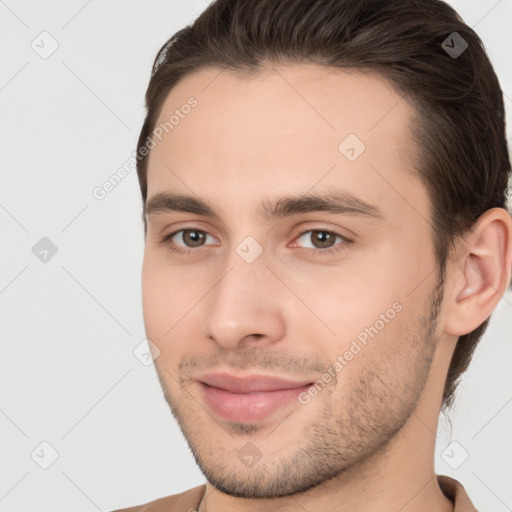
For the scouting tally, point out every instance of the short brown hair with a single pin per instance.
(463, 158)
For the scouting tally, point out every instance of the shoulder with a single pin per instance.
(186, 501)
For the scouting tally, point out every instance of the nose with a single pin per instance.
(244, 307)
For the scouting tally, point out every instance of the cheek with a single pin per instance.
(169, 294)
(374, 326)
(158, 298)
(353, 307)
(388, 361)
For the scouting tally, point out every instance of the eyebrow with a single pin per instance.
(337, 202)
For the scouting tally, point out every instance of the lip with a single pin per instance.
(249, 383)
(248, 398)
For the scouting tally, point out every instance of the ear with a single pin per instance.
(480, 277)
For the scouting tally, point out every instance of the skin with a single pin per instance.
(366, 441)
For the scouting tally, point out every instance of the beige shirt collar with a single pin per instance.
(454, 491)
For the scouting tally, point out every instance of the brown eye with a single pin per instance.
(193, 237)
(321, 239)
(185, 240)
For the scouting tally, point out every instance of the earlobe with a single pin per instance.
(482, 275)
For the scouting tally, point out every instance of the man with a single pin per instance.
(326, 239)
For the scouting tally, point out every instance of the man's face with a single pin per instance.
(340, 297)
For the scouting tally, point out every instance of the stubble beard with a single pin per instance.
(348, 432)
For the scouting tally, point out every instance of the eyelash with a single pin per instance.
(336, 248)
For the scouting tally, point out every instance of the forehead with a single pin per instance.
(324, 98)
(290, 128)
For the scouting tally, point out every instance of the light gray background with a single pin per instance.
(69, 326)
